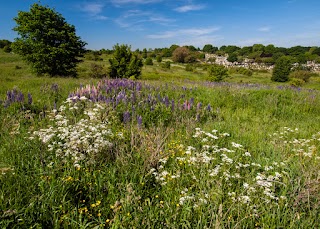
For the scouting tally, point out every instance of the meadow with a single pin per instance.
(170, 150)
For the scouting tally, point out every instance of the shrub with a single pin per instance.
(241, 70)
(301, 74)
(159, 59)
(180, 54)
(217, 72)
(295, 82)
(124, 63)
(189, 68)
(97, 71)
(282, 69)
(166, 65)
(148, 61)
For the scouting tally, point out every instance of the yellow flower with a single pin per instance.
(108, 220)
(93, 205)
(98, 203)
(99, 214)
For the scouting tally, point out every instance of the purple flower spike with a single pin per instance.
(29, 99)
(208, 107)
(199, 105)
(126, 117)
(139, 120)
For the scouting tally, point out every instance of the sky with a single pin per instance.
(161, 23)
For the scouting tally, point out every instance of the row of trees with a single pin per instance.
(52, 47)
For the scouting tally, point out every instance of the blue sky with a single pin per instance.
(161, 23)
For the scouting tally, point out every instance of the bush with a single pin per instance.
(97, 71)
(189, 68)
(159, 59)
(148, 61)
(124, 63)
(241, 70)
(166, 65)
(217, 72)
(180, 54)
(301, 74)
(282, 69)
(295, 82)
(7, 49)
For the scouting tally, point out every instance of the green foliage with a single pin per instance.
(282, 69)
(159, 59)
(148, 61)
(124, 63)
(241, 70)
(4, 43)
(301, 74)
(208, 48)
(179, 54)
(189, 68)
(217, 73)
(233, 57)
(97, 71)
(166, 65)
(47, 41)
(296, 82)
(7, 48)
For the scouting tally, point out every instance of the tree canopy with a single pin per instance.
(124, 63)
(47, 41)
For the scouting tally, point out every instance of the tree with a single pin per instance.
(148, 61)
(233, 57)
(217, 72)
(179, 54)
(208, 48)
(282, 69)
(47, 41)
(144, 53)
(124, 63)
(4, 43)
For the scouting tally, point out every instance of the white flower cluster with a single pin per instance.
(244, 181)
(301, 146)
(79, 140)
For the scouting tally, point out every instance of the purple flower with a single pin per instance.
(29, 99)
(126, 117)
(139, 120)
(208, 107)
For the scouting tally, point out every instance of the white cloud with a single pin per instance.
(264, 29)
(94, 10)
(137, 19)
(193, 32)
(187, 8)
(123, 2)
(192, 36)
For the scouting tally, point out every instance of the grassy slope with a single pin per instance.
(250, 115)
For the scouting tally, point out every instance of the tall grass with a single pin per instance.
(226, 155)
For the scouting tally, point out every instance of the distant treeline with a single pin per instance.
(259, 53)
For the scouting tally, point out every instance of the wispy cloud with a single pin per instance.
(192, 36)
(124, 2)
(187, 8)
(264, 29)
(137, 19)
(94, 10)
(193, 32)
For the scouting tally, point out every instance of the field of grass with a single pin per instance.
(168, 151)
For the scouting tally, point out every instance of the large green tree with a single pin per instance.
(47, 41)
(124, 63)
(282, 69)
